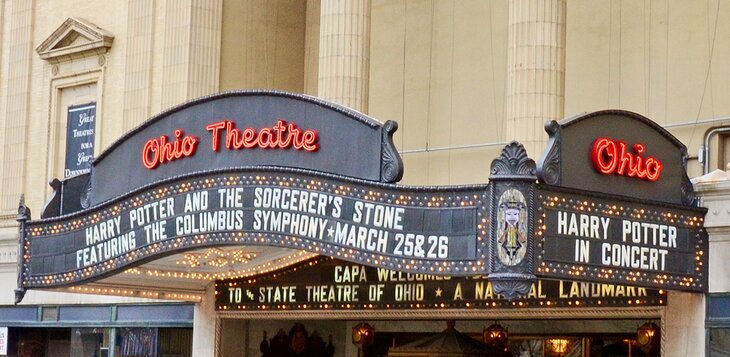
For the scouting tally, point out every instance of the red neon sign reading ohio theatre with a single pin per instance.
(611, 157)
(161, 150)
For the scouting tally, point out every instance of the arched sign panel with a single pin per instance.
(243, 129)
(618, 153)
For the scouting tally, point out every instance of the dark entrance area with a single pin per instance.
(397, 338)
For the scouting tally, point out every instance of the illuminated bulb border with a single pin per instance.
(129, 292)
(419, 197)
(469, 304)
(636, 212)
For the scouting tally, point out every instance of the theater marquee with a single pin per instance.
(617, 205)
(604, 239)
(415, 230)
(330, 284)
(286, 170)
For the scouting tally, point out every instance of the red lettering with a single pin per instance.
(310, 140)
(249, 138)
(266, 139)
(294, 133)
(280, 129)
(215, 128)
(610, 157)
(279, 136)
(234, 138)
(157, 151)
(150, 153)
(604, 151)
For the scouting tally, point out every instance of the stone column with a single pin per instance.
(191, 50)
(344, 52)
(204, 325)
(17, 106)
(138, 60)
(683, 325)
(535, 70)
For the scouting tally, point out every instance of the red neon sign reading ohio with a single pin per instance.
(161, 150)
(158, 151)
(611, 157)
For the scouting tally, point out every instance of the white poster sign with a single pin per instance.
(3, 341)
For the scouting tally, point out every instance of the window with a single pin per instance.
(724, 152)
(718, 325)
(89, 342)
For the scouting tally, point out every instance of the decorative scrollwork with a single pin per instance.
(513, 163)
(19, 295)
(23, 216)
(688, 191)
(23, 210)
(391, 169)
(511, 285)
(548, 167)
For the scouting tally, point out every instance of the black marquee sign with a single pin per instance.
(616, 204)
(416, 229)
(331, 284)
(601, 238)
(286, 170)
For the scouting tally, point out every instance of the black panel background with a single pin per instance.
(577, 167)
(347, 146)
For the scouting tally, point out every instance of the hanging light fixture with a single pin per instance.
(496, 336)
(363, 335)
(557, 346)
(648, 336)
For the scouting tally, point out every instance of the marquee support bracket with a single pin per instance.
(23, 216)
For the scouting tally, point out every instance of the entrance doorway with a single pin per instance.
(526, 338)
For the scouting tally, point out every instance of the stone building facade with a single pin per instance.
(461, 79)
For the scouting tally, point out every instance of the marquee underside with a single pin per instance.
(185, 276)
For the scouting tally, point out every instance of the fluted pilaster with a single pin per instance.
(535, 70)
(17, 103)
(205, 47)
(344, 52)
(137, 77)
(191, 50)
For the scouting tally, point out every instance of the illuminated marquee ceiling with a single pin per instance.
(185, 276)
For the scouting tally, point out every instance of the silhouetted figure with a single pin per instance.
(298, 343)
